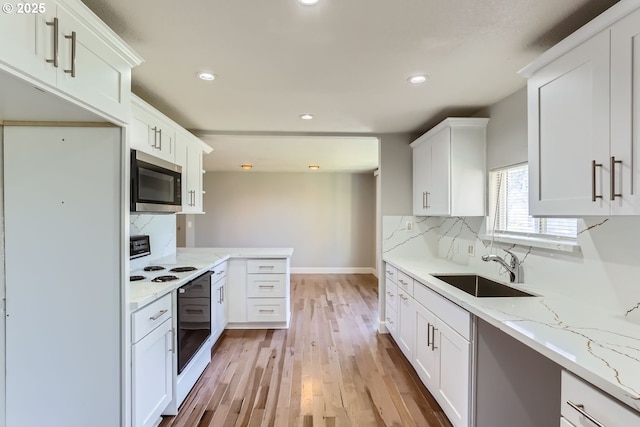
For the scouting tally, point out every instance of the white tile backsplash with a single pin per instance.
(604, 271)
(162, 235)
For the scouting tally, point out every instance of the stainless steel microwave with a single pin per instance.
(156, 185)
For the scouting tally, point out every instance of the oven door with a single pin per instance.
(194, 317)
(156, 185)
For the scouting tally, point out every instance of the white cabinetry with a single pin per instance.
(583, 120)
(152, 359)
(189, 155)
(259, 293)
(218, 304)
(443, 353)
(584, 406)
(436, 336)
(151, 131)
(70, 52)
(449, 169)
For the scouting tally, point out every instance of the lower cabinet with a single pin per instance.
(436, 336)
(259, 293)
(152, 359)
(218, 303)
(585, 405)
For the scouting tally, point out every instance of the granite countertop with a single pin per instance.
(145, 291)
(601, 347)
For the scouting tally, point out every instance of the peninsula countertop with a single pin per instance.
(145, 291)
(601, 347)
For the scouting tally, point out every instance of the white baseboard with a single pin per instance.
(334, 270)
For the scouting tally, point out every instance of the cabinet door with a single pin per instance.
(424, 356)
(152, 375)
(625, 114)
(439, 192)
(421, 177)
(26, 41)
(454, 354)
(194, 177)
(218, 322)
(90, 70)
(407, 321)
(569, 130)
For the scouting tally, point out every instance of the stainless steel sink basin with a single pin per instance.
(480, 287)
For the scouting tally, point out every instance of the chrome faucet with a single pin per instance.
(513, 267)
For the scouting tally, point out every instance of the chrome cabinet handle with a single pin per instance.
(428, 334)
(266, 286)
(266, 311)
(403, 297)
(613, 178)
(172, 347)
(160, 140)
(389, 320)
(580, 408)
(158, 315)
(266, 266)
(390, 273)
(54, 24)
(433, 339)
(73, 39)
(155, 138)
(428, 207)
(594, 165)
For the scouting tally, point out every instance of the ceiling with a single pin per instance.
(344, 61)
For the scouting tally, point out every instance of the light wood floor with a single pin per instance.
(331, 368)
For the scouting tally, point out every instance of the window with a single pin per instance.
(509, 209)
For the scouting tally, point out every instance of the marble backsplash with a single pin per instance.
(162, 236)
(604, 271)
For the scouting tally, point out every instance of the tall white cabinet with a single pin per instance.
(64, 299)
(449, 169)
(584, 153)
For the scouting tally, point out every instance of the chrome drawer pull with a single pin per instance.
(403, 297)
(266, 286)
(159, 315)
(266, 266)
(266, 311)
(580, 408)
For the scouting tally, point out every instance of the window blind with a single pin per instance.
(511, 200)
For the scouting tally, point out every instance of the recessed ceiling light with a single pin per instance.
(306, 116)
(246, 166)
(417, 79)
(314, 167)
(308, 2)
(206, 76)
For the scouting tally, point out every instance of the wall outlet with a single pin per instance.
(471, 250)
(409, 226)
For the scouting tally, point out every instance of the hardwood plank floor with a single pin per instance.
(331, 368)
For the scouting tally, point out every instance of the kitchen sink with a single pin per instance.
(479, 286)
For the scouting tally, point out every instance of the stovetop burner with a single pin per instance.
(182, 269)
(153, 268)
(136, 278)
(167, 278)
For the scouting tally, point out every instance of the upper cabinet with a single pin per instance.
(154, 133)
(189, 155)
(449, 169)
(151, 131)
(584, 157)
(63, 48)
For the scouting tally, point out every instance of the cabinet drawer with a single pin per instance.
(266, 285)
(391, 295)
(277, 266)
(405, 283)
(390, 272)
(219, 272)
(453, 315)
(266, 310)
(599, 405)
(150, 317)
(391, 320)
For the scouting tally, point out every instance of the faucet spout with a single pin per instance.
(513, 267)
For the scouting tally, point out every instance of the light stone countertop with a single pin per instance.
(601, 347)
(145, 291)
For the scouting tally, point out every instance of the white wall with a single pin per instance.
(328, 218)
(603, 272)
(396, 174)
